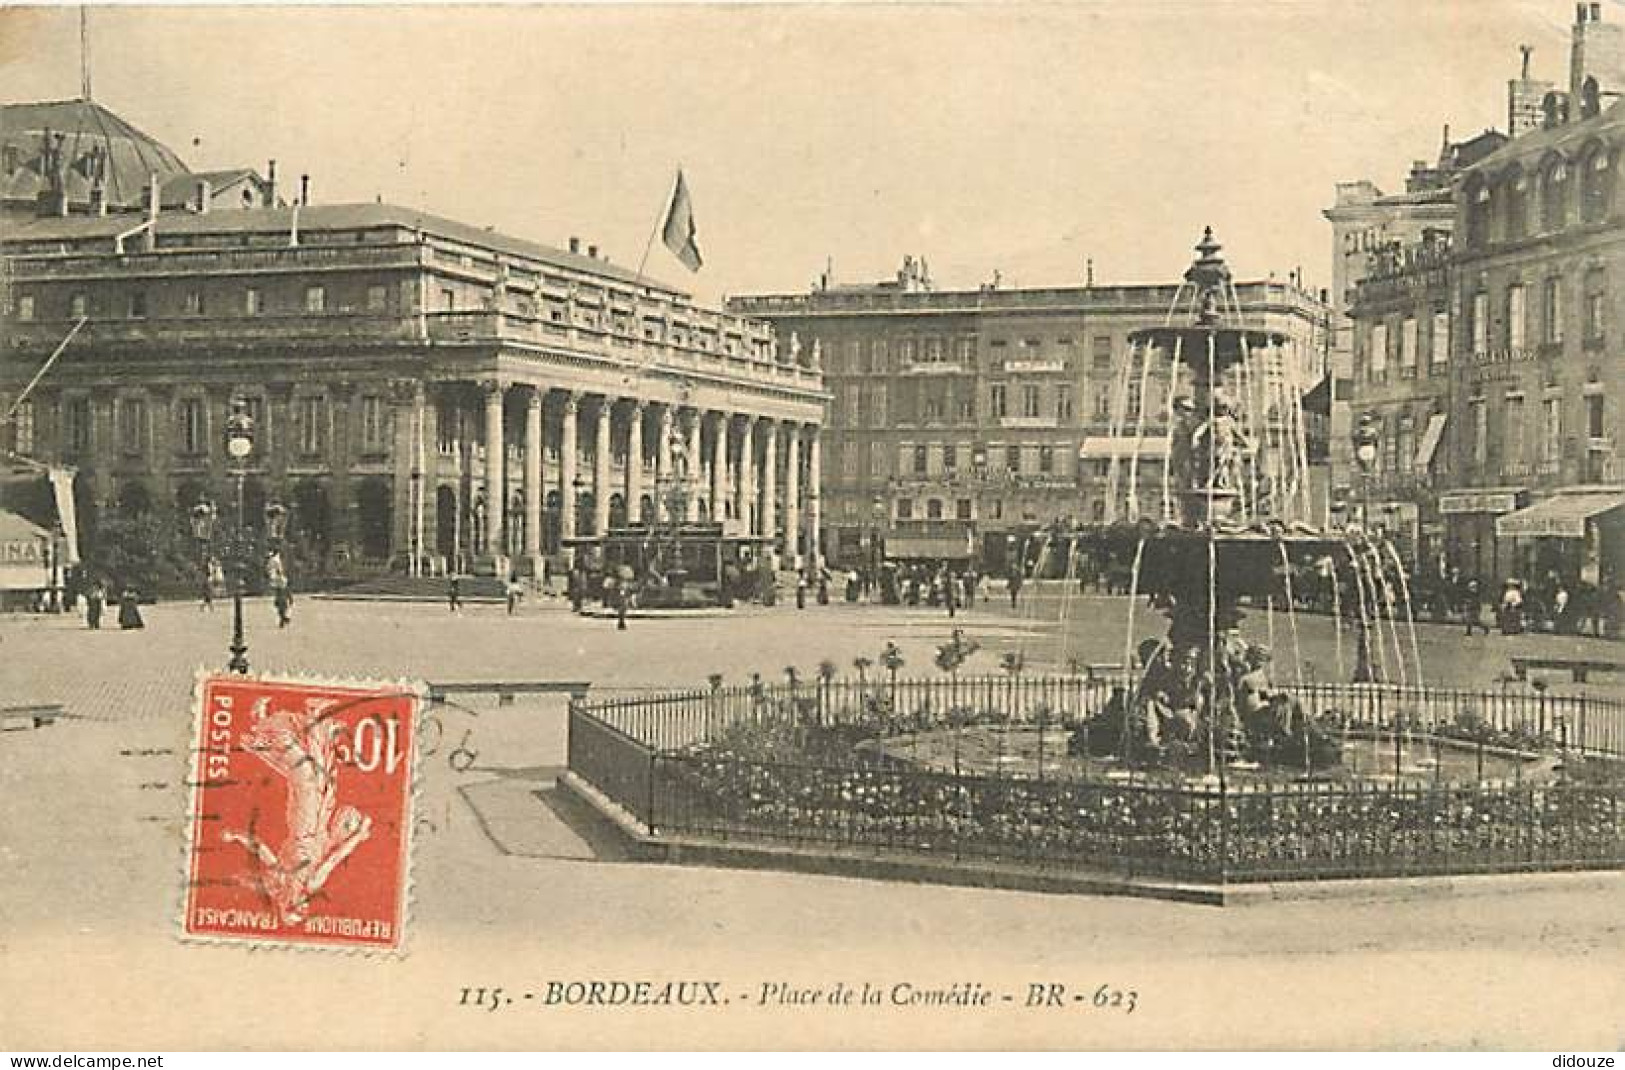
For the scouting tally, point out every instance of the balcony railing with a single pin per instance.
(222, 330)
(496, 327)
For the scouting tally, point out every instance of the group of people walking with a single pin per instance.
(97, 600)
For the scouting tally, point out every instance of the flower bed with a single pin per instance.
(807, 766)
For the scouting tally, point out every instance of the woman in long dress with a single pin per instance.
(129, 612)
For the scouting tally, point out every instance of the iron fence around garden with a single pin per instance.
(664, 758)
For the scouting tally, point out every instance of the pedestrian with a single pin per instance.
(1472, 607)
(282, 596)
(1512, 619)
(1560, 611)
(454, 592)
(206, 594)
(1014, 583)
(95, 598)
(513, 592)
(801, 590)
(949, 589)
(129, 610)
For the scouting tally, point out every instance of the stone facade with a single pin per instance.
(425, 392)
(960, 418)
(1519, 404)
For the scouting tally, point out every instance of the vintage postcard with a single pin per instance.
(1074, 526)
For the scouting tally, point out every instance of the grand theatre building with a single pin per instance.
(422, 390)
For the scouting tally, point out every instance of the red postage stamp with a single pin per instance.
(301, 818)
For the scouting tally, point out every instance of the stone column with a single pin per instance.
(792, 495)
(719, 469)
(815, 489)
(634, 461)
(663, 462)
(533, 480)
(770, 481)
(405, 401)
(495, 463)
(567, 467)
(745, 482)
(695, 473)
(600, 477)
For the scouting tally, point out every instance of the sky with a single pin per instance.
(1019, 138)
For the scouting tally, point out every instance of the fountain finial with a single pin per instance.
(1210, 275)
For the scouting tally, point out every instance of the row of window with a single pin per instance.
(251, 301)
(1516, 332)
(1506, 209)
(1401, 342)
(255, 301)
(993, 509)
(858, 356)
(1513, 439)
(192, 421)
(932, 402)
(1504, 431)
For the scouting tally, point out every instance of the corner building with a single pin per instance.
(959, 419)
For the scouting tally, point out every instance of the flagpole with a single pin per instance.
(660, 218)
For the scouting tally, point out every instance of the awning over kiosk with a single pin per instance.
(1563, 515)
(928, 548)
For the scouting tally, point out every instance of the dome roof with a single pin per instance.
(78, 139)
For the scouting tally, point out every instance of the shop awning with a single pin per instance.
(927, 548)
(1431, 434)
(1563, 515)
(1099, 447)
(24, 553)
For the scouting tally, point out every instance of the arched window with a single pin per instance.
(1515, 200)
(1478, 213)
(1596, 185)
(1554, 195)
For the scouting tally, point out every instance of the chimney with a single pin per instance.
(204, 194)
(149, 237)
(304, 189)
(592, 251)
(575, 244)
(1597, 56)
(270, 184)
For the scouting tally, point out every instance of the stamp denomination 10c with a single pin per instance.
(301, 816)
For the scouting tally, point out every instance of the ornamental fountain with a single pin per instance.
(1232, 527)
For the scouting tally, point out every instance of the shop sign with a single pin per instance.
(21, 552)
(1493, 501)
(1017, 367)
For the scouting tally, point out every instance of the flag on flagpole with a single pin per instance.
(678, 232)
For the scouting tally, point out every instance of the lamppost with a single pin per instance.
(239, 444)
(877, 518)
(1364, 436)
(978, 463)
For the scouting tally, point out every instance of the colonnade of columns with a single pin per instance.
(760, 472)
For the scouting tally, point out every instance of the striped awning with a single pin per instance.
(1429, 445)
(1100, 447)
(1561, 516)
